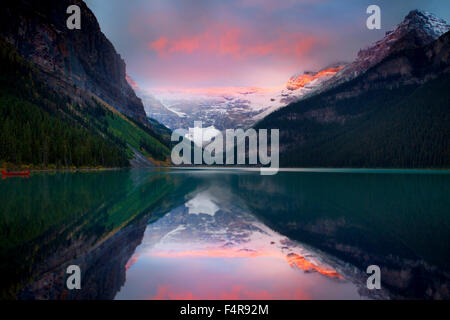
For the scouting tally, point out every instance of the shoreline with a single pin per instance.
(303, 169)
(225, 168)
(63, 169)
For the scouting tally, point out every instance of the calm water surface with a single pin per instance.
(225, 234)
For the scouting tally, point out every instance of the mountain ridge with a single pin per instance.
(70, 60)
(418, 28)
(395, 114)
(68, 90)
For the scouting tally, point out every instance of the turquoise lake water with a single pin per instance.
(226, 234)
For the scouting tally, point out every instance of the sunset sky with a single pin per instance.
(217, 43)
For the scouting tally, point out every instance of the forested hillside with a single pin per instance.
(41, 128)
(396, 115)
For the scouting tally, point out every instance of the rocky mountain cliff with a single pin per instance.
(414, 66)
(78, 63)
(64, 97)
(419, 28)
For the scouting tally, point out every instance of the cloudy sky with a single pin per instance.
(224, 43)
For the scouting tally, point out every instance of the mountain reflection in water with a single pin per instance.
(211, 247)
(205, 234)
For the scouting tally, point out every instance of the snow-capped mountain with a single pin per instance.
(222, 108)
(300, 85)
(236, 107)
(157, 110)
(403, 99)
(242, 107)
(311, 79)
(419, 28)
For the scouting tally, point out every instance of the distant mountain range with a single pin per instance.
(66, 100)
(225, 108)
(388, 108)
(68, 89)
(243, 107)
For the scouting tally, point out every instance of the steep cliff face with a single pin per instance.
(78, 63)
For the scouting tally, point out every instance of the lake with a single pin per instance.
(226, 234)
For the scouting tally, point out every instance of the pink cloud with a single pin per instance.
(132, 261)
(167, 292)
(132, 83)
(232, 292)
(237, 43)
(159, 45)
